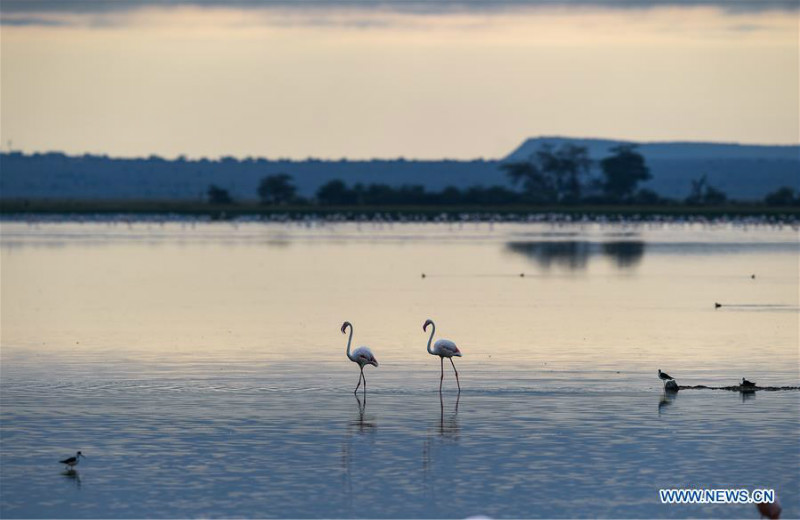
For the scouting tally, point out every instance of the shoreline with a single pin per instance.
(246, 211)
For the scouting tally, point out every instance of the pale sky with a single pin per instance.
(387, 79)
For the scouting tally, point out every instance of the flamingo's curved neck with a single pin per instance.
(433, 329)
(349, 340)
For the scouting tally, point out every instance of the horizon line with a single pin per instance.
(190, 157)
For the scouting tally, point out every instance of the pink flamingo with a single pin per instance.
(444, 348)
(361, 355)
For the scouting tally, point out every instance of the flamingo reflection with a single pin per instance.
(358, 430)
(447, 429)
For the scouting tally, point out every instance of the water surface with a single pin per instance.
(200, 368)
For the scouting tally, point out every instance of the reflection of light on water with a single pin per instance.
(73, 475)
(447, 430)
(358, 430)
(667, 398)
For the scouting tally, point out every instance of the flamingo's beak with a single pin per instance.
(374, 362)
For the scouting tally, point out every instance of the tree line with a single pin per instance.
(562, 175)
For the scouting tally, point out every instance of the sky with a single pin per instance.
(391, 78)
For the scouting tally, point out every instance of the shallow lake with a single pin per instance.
(201, 370)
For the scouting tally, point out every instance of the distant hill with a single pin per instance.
(55, 175)
(744, 172)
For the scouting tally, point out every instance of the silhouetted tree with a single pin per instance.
(784, 196)
(648, 197)
(335, 192)
(450, 195)
(552, 174)
(567, 163)
(536, 185)
(702, 194)
(622, 171)
(489, 196)
(217, 195)
(276, 189)
(715, 196)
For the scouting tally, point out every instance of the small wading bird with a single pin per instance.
(664, 377)
(747, 384)
(444, 348)
(72, 461)
(361, 355)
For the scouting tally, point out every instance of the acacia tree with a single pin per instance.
(622, 171)
(703, 194)
(276, 189)
(217, 195)
(782, 197)
(335, 192)
(552, 174)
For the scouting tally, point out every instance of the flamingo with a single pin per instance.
(361, 355)
(444, 348)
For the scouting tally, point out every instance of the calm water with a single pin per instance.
(201, 369)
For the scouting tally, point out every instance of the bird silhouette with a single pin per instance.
(71, 462)
(665, 377)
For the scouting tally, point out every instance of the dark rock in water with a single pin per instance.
(671, 386)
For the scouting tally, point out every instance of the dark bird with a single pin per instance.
(717, 305)
(747, 384)
(423, 275)
(753, 276)
(664, 376)
(769, 509)
(72, 461)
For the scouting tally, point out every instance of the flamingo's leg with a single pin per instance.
(359, 380)
(441, 378)
(365, 382)
(456, 371)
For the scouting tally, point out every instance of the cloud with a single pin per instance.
(356, 14)
(408, 6)
(23, 21)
